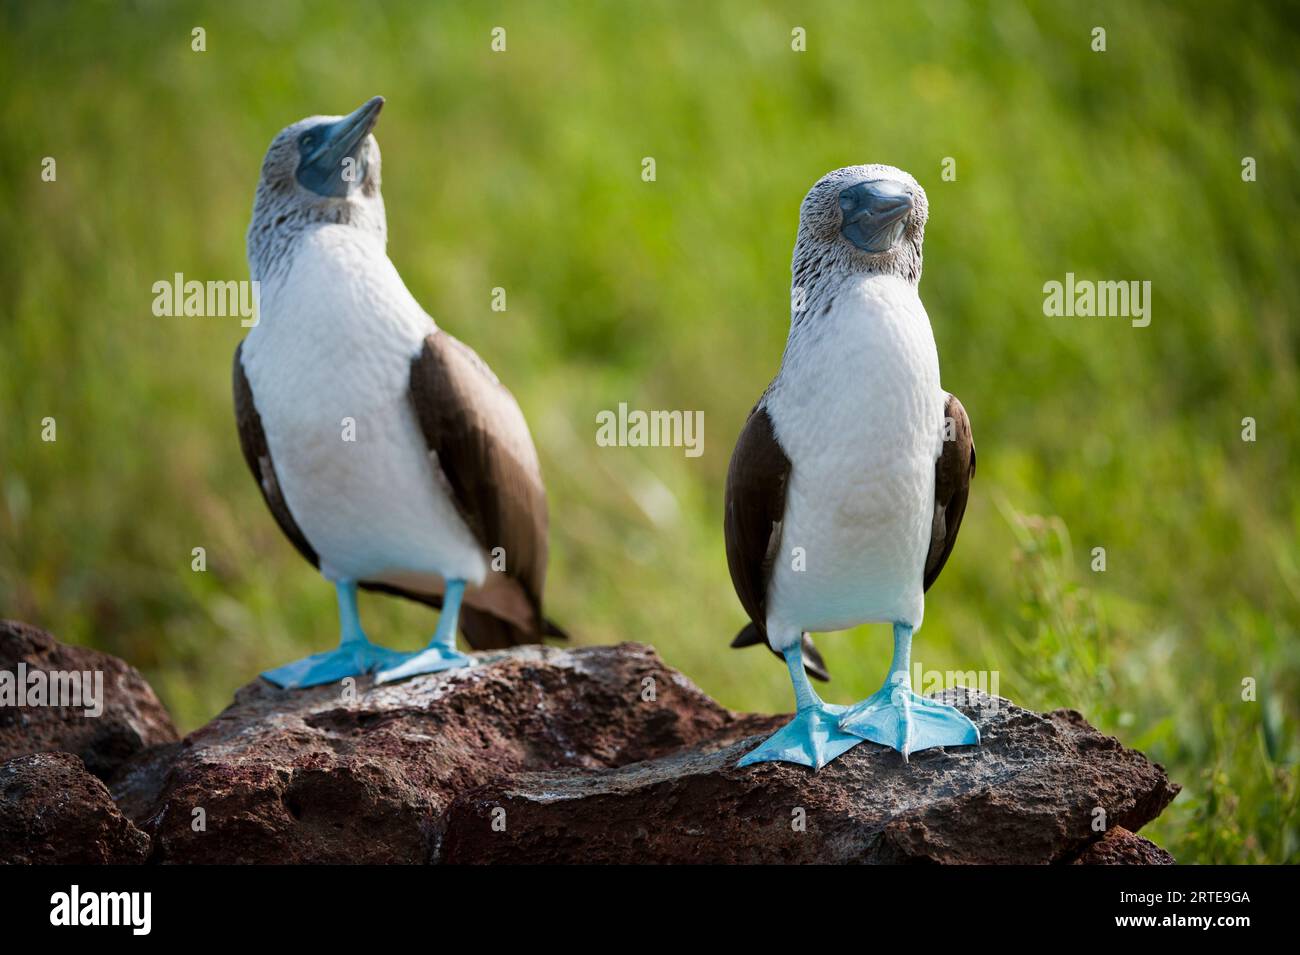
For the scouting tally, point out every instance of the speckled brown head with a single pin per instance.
(859, 219)
(322, 169)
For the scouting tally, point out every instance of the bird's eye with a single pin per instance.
(307, 140)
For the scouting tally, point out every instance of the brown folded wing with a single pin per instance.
(755, 507)
(252, 440)
(952, 476)
(483, 449)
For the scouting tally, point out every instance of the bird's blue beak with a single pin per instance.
(323, 150)
(873, 214)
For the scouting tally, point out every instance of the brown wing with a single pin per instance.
(757, 479)
(252, 439)
(473, 425)
(755, 507)
(952, 476)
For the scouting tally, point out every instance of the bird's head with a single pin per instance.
(322, 169)
(861, 219)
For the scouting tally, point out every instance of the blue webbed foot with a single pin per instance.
(906, 721)
(441, 653)
(352, 658)
(355, 655)
(813, 738)
(430, 660)
(895, 716)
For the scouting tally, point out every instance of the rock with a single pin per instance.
(53, 811)
(1121, 847)
(539, 754)
(574, 760)
(132, 717)
(136, 783)
(1026, 795)
(314, 776)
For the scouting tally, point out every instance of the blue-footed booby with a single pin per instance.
(387, 451)
(849, 480)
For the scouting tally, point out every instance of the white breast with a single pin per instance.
(330, 359)
(858, 408)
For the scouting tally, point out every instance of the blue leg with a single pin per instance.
(813, 737)
(355, 656)
(441, 654)
(895, 716)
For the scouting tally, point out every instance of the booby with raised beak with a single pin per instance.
(387, 451)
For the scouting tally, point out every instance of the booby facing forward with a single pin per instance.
(388, 452)
(849, 480)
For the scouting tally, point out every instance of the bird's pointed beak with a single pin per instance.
(873, 213)
(322, 170)
(343, 137)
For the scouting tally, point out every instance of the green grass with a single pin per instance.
(522, 170)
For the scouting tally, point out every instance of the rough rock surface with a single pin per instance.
(132, 719)
(53, 811)
(1121, 847)
(319, 776)
(1027, 794)
(605, 754)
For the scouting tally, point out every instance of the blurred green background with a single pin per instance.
(522, 170)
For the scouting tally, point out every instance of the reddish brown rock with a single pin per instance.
(1121, 847)
(1026, 795)
(53, 811)
(314, 776)
(132, 718)
(588, 766)
(597, 754)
